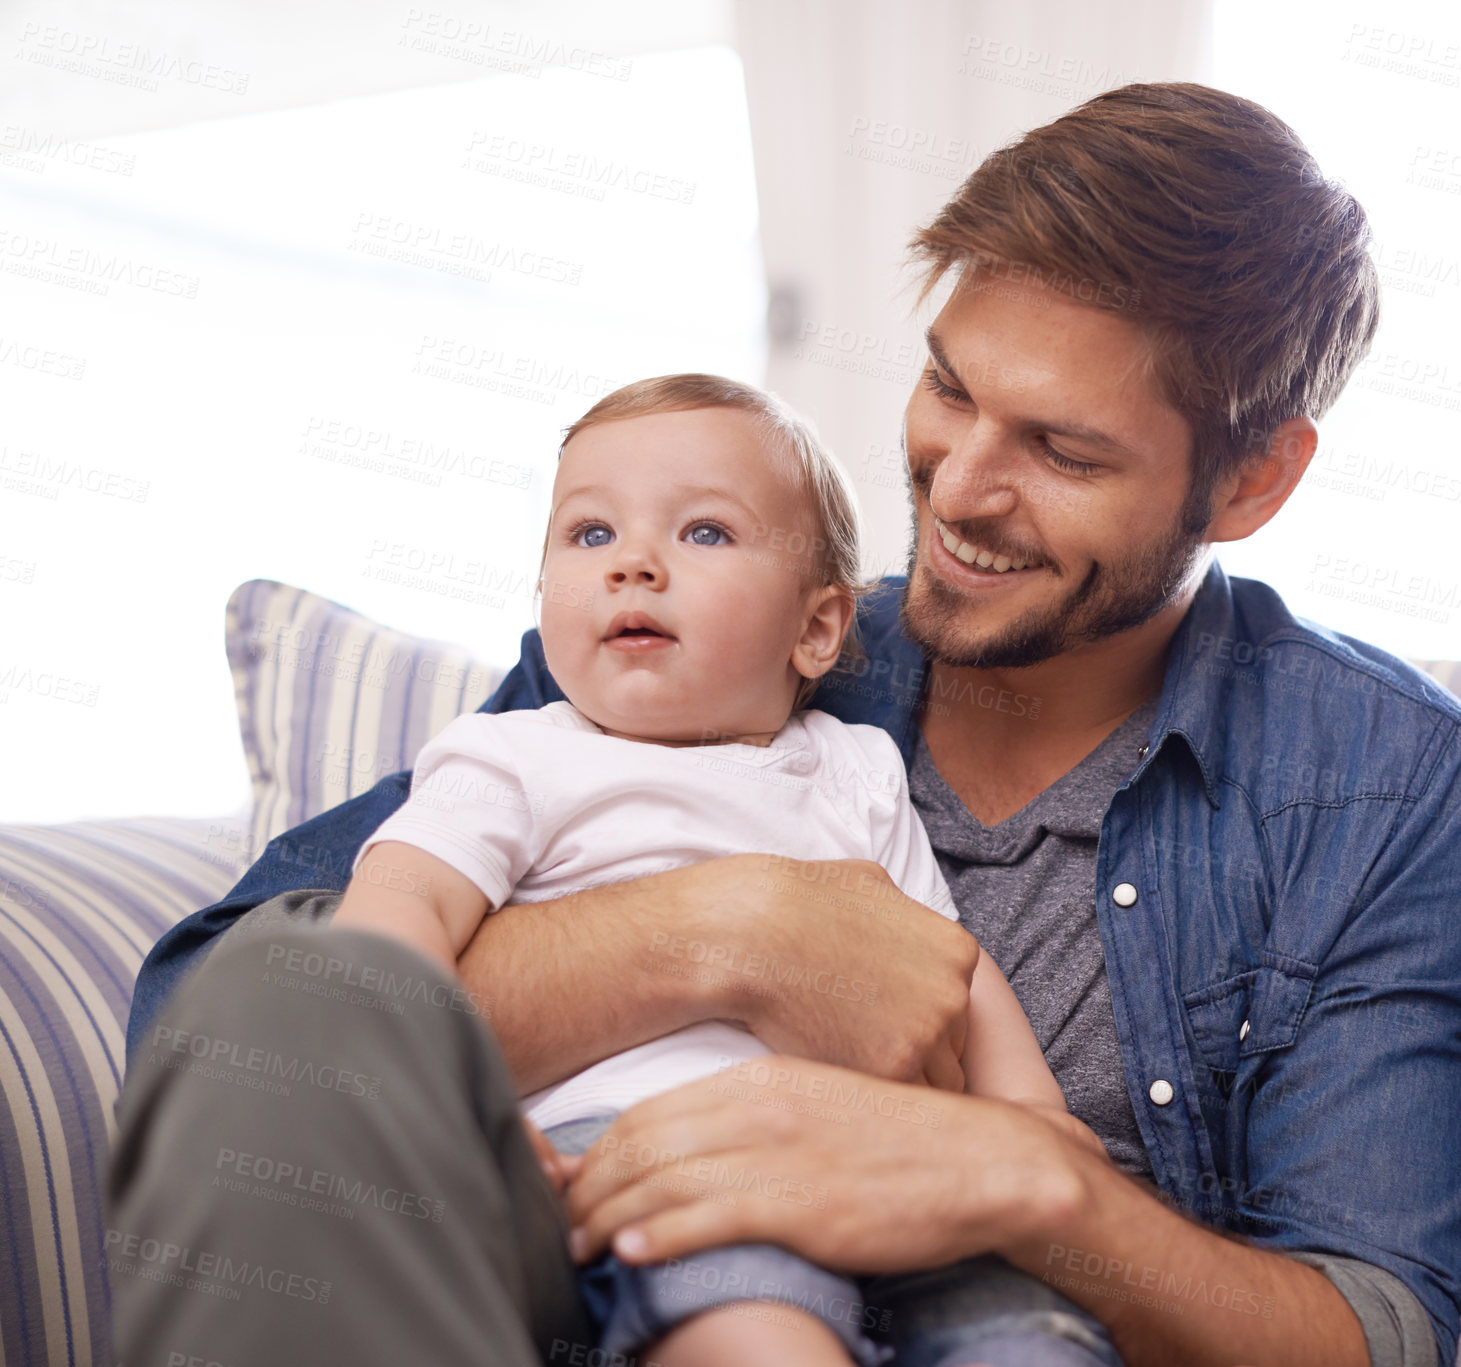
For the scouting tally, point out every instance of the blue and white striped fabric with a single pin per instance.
(329, 701)
(80, 905)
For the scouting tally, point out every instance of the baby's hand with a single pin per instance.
(555, 1165)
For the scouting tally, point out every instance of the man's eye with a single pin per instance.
(1062, 462)
(944, 391)
(590, 534)
(715, 530)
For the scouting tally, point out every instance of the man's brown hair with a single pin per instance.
(1205, 218)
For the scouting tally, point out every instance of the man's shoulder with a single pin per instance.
(1283, 695)
(1366, 674)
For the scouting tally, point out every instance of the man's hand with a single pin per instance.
(847, 1170)
(823, 959)
(871, 1176)
(875, 981)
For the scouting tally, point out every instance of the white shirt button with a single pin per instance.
(1124, 895)
(1161, 1092)
(1243, 1031)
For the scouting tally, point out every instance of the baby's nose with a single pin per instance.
(636, 562)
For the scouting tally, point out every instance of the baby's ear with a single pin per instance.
(825, 629)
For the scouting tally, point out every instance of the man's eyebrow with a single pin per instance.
(692, 490)
(936, 350)
(1092, 436)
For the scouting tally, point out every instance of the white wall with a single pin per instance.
(205, 326)
(88, 68)
(1368, 543)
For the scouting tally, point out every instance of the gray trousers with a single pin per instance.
(319, 1159)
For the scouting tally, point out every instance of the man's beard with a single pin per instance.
(1112, 598)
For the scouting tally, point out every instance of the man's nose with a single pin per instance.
(979, 477)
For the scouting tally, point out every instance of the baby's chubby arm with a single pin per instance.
(403, 892)
(407, 894)
(1002, 1057)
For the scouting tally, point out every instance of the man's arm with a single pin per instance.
(876, 980)
(1343, 1137)
(576, 980)
(1169, 1290)
(884, 1177)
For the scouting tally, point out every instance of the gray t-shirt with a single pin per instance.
(1026, 888)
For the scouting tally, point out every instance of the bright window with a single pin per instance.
(318, 345)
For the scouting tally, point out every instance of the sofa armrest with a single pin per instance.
(80, 906)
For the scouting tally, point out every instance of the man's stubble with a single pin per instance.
(1113, 597)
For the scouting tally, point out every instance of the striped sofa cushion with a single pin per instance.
(329, 701)
(80, 905)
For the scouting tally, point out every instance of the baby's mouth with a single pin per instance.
(638, 641)
(635, 625)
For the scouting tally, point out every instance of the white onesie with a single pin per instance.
(533, 805)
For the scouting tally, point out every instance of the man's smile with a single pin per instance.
(981, 560)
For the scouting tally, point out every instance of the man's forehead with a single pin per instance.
(1040, 310)
(1069, 368)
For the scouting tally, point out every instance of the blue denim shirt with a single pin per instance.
(1290, 967)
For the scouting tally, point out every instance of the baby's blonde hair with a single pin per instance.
(801, 459)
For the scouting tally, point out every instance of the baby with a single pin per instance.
(699, 577)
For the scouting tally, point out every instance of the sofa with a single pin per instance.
(329, 702)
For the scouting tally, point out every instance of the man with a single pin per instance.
(1214, 850)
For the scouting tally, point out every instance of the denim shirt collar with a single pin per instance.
(1194, 702)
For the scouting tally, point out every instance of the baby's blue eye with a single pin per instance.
(706, 527)
(594, 529)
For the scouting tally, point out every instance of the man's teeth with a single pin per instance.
(976, 555)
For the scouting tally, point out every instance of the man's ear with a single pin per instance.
(831, 613)
(1245, 501)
